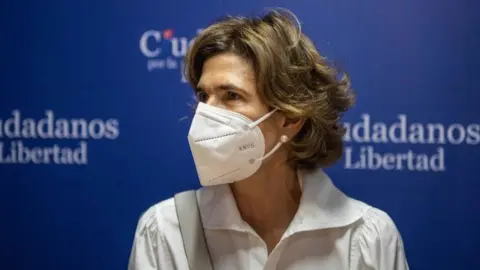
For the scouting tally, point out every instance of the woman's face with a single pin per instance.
(228, 82)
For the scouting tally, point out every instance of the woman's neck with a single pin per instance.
(268, 200)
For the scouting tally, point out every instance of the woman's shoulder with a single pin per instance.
(161, 213)
(377, 223)
(377, 241)
(158, 242)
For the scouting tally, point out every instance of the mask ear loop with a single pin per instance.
(283, 139)
(261, 119)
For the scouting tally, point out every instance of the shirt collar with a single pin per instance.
(322, 206)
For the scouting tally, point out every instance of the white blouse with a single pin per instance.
(329, 231)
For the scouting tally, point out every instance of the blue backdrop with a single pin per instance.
(94, 116)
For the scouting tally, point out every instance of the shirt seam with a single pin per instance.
(163, 240)
(356, 237)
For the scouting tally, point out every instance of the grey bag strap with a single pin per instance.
(192, 230)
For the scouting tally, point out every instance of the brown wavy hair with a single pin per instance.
(291, 76)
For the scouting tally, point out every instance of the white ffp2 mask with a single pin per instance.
(226, 146)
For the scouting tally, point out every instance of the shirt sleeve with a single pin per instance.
(377, 244)
(148, 252)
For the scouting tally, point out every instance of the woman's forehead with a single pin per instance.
(227, 69)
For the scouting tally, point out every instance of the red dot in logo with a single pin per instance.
(168, 34)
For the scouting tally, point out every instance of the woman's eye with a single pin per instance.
(202, 96)
(233, 96)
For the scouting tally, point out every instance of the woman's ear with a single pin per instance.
(291, 126)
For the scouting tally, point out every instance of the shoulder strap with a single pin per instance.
(192, 230)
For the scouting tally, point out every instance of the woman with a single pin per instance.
(266, 124)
